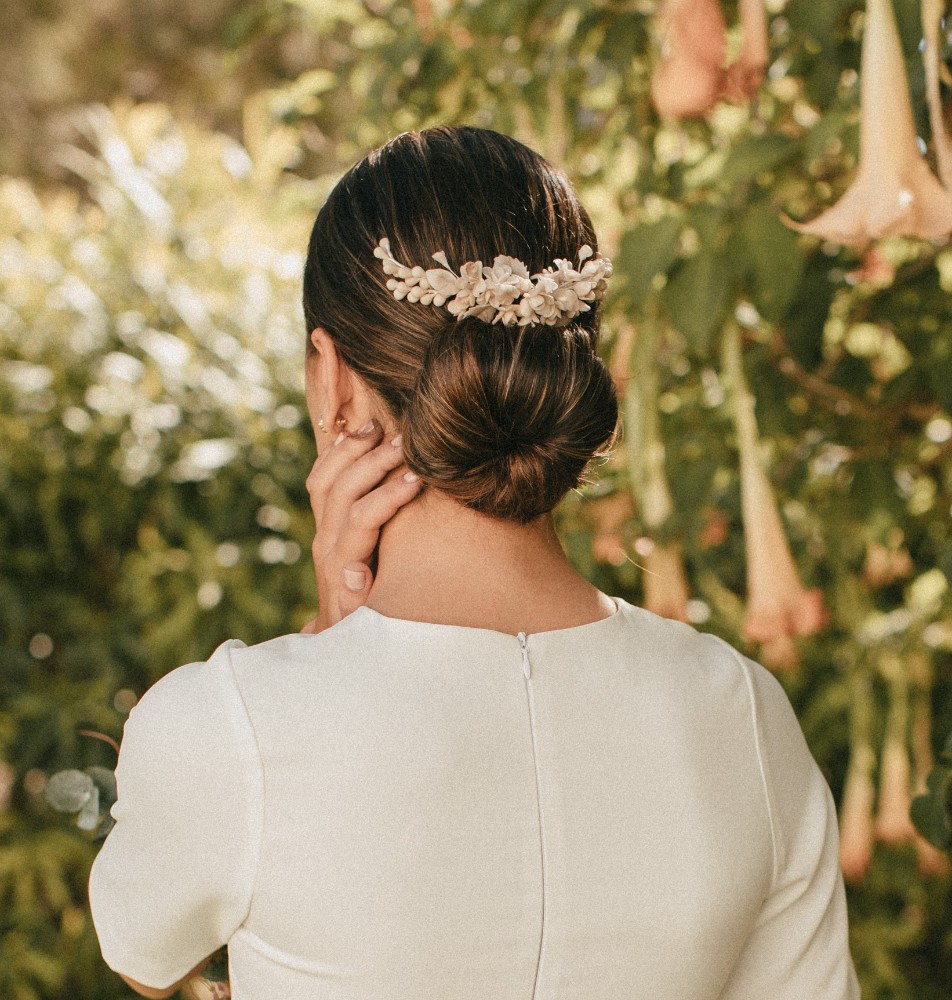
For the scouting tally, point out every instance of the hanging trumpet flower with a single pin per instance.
(859, 792)
(689, 79)
(778, 605)
(932, 11)
(665, 582)
(856, 816)
(693, 75)
(746, 74)
(894, 192)
(893, 825)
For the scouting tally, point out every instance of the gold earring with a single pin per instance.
(321, 427)
(341, 422)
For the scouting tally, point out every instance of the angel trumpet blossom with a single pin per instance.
(856, 817)
(932, 11)
(894, 192)
(746, 74)
(689, 79)
(893, 822)
(666, 590)
(779, 607)
(893, 825)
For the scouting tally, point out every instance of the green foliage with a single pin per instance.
(153, 443)
(932, 811)
(153, 451)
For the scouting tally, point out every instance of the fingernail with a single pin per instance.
(340, 437)
(366, 429)
(397, 441)
(354, 579)
(410, 477)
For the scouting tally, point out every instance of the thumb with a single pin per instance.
(355, 583)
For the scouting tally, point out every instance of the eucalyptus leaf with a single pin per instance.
(88, 818)
(105, 781)
(69, 791)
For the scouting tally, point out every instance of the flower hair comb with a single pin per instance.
(504, 293)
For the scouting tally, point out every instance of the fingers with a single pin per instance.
(356, 581)
(355, 487)
(366, 471)
(365, 474)
(367, 515)
(345, 451)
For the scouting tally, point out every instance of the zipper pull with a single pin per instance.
(525, 653)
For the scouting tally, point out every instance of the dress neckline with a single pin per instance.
(582, 629)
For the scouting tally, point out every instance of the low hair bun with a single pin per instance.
(504, 419)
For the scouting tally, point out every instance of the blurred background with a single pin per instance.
(784, 475)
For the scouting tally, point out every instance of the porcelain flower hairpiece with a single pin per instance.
(504, 293)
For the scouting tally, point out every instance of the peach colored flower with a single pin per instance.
(714, 529)
(932, 13)
(778, 605)
(745, 75)
(886, 564)
(609, 514)
(665, 584)
(780, 653)
(894, 192)
(931, 862)
(7, 778)
(689, 79)
(876, 269)
(856, 817)
(893, 825)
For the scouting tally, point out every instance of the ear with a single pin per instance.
(333, 389)
(329, 380)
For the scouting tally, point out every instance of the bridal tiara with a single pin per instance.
(504, 293)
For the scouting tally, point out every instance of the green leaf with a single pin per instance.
(697, 297)
(646, 252)
(755, 155)
(930, 812)
(774, 261)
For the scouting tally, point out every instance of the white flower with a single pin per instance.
(504, 293)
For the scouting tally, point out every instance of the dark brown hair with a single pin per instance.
(501, 418)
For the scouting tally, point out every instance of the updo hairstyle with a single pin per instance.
(503, 419)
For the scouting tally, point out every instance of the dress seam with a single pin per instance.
(256, 867)
(761, 762)
(542, 851)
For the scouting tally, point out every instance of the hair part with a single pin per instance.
(502, 419)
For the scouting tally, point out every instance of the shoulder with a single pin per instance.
(202, 690)
(678, 654)
(188, 724)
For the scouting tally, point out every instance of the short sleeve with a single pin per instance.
(799, 945)
(174, 877)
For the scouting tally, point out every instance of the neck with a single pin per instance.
(441, 562)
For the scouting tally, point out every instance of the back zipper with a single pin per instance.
(523, 641)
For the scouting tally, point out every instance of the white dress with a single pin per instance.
(397, 810)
